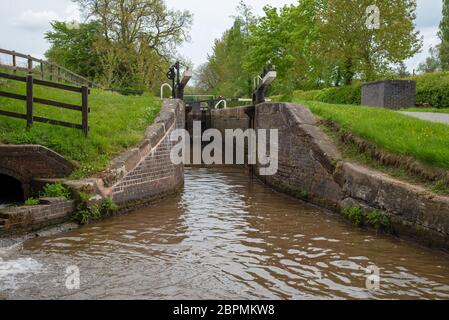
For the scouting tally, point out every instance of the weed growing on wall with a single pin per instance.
(56, 190)
(86, 213)
(375, 219)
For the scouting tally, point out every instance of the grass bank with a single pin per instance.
(116, 123)
(427, 110)
(395, 133)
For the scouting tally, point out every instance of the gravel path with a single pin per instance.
(429, 116)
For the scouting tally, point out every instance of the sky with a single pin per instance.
(24, 22)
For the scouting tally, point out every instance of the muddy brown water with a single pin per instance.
(225, 236)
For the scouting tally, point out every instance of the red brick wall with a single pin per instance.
(154, 175)
(27, 219)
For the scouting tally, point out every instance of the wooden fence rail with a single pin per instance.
(51, 71)
(31, 100)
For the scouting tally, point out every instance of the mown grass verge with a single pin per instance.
(116, 123)
(393, 132)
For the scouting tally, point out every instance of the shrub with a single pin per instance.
(288, 97)
(433, 89)
(341, 95)
(32, 202)
(86, 213)
(305, 95)
(355, 215)
(378, 220)
(56, 190)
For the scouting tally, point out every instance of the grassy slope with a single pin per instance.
(116, 122)
(393, 132)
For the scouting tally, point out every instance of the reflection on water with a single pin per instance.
(225, 237)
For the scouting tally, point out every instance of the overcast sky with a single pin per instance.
(24, 22)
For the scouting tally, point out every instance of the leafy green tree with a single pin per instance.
(127, 43)
(432, 63)
(73, 47)
(224, 74)
(444, 36)
(358, 50)
(288, 38)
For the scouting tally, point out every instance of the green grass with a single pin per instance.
(116, 123)
(390, 131)
(427, 110)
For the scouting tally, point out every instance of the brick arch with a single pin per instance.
(14, 181)
(28, 162)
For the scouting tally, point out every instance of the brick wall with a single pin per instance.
(392, 94)
(32, 218)
(150, 173)
(135, 178)
(28, 162)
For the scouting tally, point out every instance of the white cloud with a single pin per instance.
(431, 39)
(72, 13)
(33, 20)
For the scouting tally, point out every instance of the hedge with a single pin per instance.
(432, 89)
(341, 95)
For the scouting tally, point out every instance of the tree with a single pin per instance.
(224, 74)
(432, 63)
(139, 22)
(401, 70)
(444, 36)
(73, 47)
(132, 43)
(287, 37)
(358, 50)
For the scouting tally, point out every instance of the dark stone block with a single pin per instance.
(392, 94)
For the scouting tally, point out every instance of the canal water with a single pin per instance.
(225, 236)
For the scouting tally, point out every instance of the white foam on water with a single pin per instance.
(14, 271)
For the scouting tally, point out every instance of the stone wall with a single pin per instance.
(311, 168)
(307, 157)
(26, 219)
(392, 94)
(231, 118)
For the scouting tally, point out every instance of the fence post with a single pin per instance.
(42, 70)
(14, 62)
(30, 65)
(51, 72)
(29, 101)
(59, 74)
(85, 106)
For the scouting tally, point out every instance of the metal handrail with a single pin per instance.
(162, 89)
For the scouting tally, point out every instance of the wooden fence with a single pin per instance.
(30, 100)
(44, 69)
